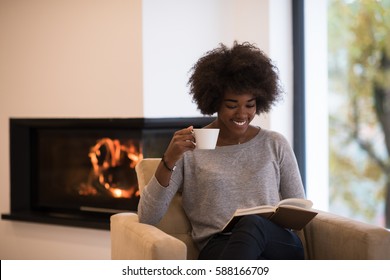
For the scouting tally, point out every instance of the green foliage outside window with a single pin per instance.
(359, 109)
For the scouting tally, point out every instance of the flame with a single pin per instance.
(114, 157)
(116, 192)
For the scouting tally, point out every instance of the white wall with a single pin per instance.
(176, 33)
(97, 58)
(64, 58)
(280, 50)
(317, 152)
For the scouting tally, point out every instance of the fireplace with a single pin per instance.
(78, 172)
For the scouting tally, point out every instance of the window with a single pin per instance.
(346, 110)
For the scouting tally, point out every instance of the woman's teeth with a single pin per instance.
(239, 123)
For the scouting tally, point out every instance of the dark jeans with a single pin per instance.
(254, 238)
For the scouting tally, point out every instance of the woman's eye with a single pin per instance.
(236, 106)
(231, 106)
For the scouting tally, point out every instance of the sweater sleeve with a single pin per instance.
(155, 198)
(290, 177)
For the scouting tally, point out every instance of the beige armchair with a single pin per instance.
(328, 236)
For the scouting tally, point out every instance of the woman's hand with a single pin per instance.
(182, 141)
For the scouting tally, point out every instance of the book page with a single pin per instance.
(298, 202)
(254, 210)
(292, 213)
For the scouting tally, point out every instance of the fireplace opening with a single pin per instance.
(79, 172)
(87, 170)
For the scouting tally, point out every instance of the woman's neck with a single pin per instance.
(226, 138)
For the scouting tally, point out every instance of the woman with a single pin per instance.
(250, 166)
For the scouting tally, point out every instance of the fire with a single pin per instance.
(113, 164)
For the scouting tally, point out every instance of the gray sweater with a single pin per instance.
(214, 183)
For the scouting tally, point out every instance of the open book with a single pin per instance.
(291, 213)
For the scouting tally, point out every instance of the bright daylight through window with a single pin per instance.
(351, 100)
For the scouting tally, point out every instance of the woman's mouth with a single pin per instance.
(240, 123)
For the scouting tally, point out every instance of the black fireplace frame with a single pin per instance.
(22, 135)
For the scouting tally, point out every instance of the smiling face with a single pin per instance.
(235, 114)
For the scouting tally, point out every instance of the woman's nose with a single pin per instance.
(241, 112)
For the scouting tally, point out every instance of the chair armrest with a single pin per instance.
(131, 239)
(330, 236)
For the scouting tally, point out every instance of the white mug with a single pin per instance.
(206, 138)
